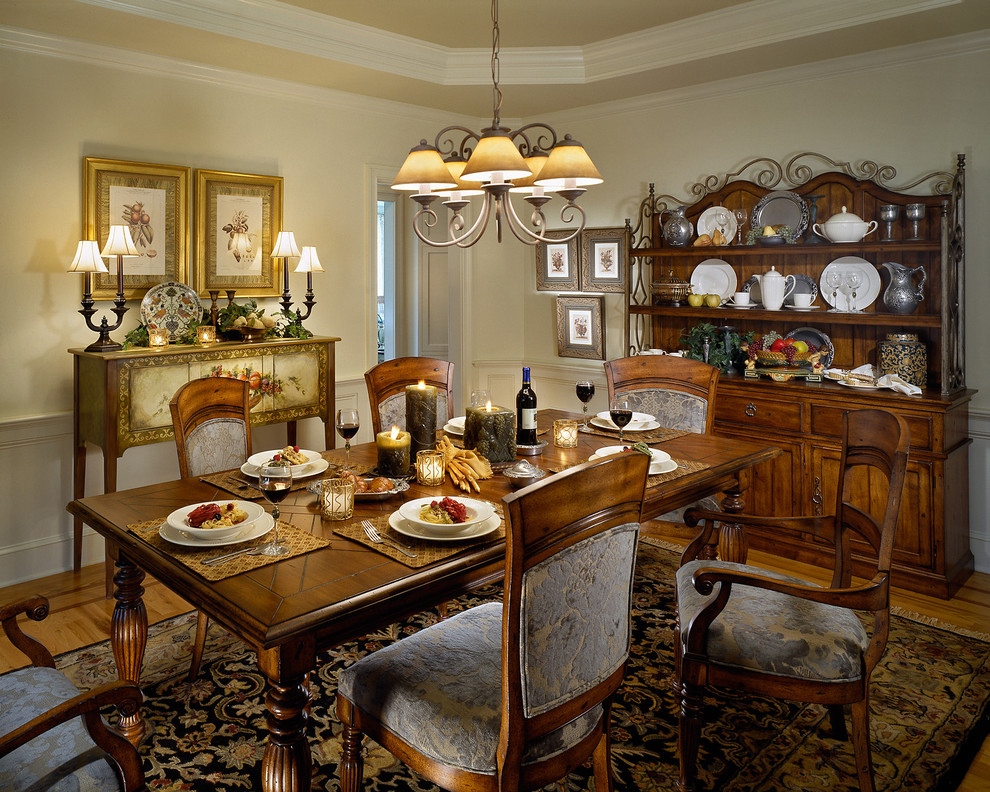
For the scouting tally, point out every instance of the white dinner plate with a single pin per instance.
(660, 462)
(718, 217)
(254, 511)
(478, 511)
(457, 422)
(808, 308)
(403, 526)
(259, 527)
(257, 460)
(865, 294)
(298, 471)
(635, 426)
(858, 384)
(451, 428)
(714, 276)
(638, 418)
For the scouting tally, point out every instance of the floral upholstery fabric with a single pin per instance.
(440, 689)
(392, 411)
(769, 631)
(63, 759)
(672, 409)
(215, 445)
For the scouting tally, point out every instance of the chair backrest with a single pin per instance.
(212, 423)
(570, 555)
(387, 389)
(678, 391)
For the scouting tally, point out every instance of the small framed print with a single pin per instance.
(152, 201)
(580, 329)
(557, 267)
(238, 216)
(604, 254)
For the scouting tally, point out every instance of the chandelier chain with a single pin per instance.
(496, 91)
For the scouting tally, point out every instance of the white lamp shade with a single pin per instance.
(309, 261)
(495, 158)
(423, 169)
(119, 242)
(568, 166)
(285, 245)
(88, 258)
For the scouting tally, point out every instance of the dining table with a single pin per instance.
(337, 585)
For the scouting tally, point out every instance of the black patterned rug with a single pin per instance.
(930, 712)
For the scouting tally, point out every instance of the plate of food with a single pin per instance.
(301, 462)
(256, 529)
(368, 488)
(403, 526)
(445, 516)
(215, 519)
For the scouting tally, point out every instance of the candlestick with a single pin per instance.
(491, 431)
(337, 498)
(393, 452)
(565, 433)
(421, 416)
(430, 468)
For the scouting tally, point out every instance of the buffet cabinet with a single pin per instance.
(804, 417)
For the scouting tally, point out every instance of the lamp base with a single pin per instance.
(102, 344)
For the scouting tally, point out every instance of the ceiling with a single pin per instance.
(555, 54)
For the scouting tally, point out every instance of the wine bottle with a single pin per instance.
(526, 412)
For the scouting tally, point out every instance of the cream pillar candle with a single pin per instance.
(421, 416)
(393, 452)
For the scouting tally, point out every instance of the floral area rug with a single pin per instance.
(930, 711)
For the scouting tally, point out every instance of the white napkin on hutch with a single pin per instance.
(891, 381)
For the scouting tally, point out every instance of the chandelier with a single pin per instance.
(530, 160)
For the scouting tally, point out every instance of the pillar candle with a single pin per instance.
(491, 431)
(393, 452)
(421, 416)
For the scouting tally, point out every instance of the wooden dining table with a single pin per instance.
(293, 608)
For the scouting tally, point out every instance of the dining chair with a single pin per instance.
(212, 423)
(515, 695)
(52, 735)
(387, 389)
(765, 633)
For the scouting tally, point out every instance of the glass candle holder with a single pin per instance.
(430, 468)
(565, 433)
(337, 499)
(157, 337)
(206, 334)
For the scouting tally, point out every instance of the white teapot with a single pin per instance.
(774, 288)
(845, 227)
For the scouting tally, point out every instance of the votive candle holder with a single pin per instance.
(337, 499)
(565, 433)
(430, 468)
(206, 335)
(158, 337)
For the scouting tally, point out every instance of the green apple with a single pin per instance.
(800, 346)
(696, 300)
(713, 300)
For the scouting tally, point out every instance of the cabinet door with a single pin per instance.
(777, 488)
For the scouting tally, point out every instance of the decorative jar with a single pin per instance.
(906, 356)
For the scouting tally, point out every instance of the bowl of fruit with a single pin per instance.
(774, 351)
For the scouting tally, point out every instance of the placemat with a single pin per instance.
(653, 436)
(242, 486)
(296, 540)
(426, 551)
(683, 468)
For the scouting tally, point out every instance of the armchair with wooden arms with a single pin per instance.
(387, 389)
(212, 422)
(514, 695)
(766, 633)
(52, 735)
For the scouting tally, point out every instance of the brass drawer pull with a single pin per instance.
(751, 409)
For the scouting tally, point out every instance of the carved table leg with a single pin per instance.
(287, 765)
(732, 543)
(128, 636)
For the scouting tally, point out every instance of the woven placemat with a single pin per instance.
(683, 468)
(296, 540)
(242, 486)
(426, 551)
(653, 436)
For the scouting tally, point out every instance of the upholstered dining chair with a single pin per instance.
(52, 735)
(387, 389)
(212, 424)
(765, 633)
(514, 695)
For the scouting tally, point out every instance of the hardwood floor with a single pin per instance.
(80, 615)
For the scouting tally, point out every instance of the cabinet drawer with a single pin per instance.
(827, 421)
(782, 415)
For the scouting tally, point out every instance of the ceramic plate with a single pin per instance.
(171, 306)
(478, 511)
(259, 527)
(403, 526)
(398, 485)
(177, 519)
(660, 463)
(812, 336)
(865, 294)
(714, 276)
(458, 422)
(857, 384)
(451, 428)
(635, 426)
(255, 461)
(781, 208)
(743, 307)
(717, 217)
(809, 308)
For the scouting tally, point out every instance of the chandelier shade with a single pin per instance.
(527, 185)
(568, 166)
(423, 170)
(495, 160)
(455, 166)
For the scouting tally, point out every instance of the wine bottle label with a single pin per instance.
(527, 418)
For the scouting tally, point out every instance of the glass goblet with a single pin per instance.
(854, 280)
(620, 411)
(741, 218)
(889, 214)
(275, 482)
(834, 280)
(585, 390)
(348, 422)
(915, 213)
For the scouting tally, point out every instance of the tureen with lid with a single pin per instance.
(845, 227)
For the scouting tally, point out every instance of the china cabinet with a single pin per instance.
(804, 416)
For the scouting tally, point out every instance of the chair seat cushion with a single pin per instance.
(762, 630)
(677, 515)
(440, 689)
(63, 759)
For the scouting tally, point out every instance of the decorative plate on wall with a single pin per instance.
(171, 306)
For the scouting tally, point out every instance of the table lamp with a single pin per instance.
(87, 261)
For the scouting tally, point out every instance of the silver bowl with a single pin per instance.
(522, 474)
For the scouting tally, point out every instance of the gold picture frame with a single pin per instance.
(153, 201)
(238, 216)
(580, 327)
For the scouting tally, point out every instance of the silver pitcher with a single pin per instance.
(901, 296)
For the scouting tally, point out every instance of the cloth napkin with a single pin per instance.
(891, 381)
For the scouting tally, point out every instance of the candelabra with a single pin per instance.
(309, 263)
(89, 259)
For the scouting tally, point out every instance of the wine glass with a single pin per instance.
(740, 222)
(348, 422)
(480, 397)
(585, 392)
(834, 279)
(620, 411)
(853, 281)
(275, 481)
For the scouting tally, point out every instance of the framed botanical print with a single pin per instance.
(557, 267)
(603, 259)
(238, 216)
(152, 201)
(580, 329)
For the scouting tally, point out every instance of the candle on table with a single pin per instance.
(337, 498)
(565, 433)
(491, 431)
(430, 468)
(206, 334)
(421, 416)
(393, 452)
(157, 337)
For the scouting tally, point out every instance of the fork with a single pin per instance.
(372, 533)
(243, 552)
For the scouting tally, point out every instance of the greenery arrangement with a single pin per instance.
(138, 337)
(289, 325)
(721, 347)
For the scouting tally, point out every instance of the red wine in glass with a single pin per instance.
(620, 411)
(275, 482)
(348, 422)
(585, 392)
